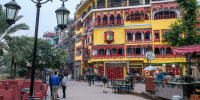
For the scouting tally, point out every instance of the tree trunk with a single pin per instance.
(11, 67)
(15, 69)
(188, 65)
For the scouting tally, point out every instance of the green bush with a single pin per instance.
(8, 77)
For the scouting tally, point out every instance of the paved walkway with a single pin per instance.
(81, 91)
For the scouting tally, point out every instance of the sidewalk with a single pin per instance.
(80, 90)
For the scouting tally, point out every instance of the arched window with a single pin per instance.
(99, 20)
(165, 14)
(146, 17)
(148, 36)
(129, 36)
(84, 13)
(168, 50)
(138, 36)
(108, 52)
(159, 14)
(128, 18)
(132, 16)
(93, 6)
(118, 19)
(149, 48)
(101, 51)
(156, 36)
(157, 51)
(114, 51)
(95, 52)
(121, 51)
(138, 50)
(162, 51)
(89, 8)
(129, 50)
(105, 20)
(137, 15)
(112, 19)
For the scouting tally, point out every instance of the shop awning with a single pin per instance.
(187, 49)
(151, 67)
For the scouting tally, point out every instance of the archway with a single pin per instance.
(98, 20)
(105, 20)
(112, 18)
(138, 36)
(118, 19)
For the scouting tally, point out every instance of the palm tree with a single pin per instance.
(18, 47)
(7, 42)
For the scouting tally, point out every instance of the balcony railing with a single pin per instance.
(139, 41)
(111, 22)
(107, 56)
(165, 16)
(156, 56)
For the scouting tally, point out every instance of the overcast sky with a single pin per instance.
(47, 15)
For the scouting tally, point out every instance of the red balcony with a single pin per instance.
(109, 36)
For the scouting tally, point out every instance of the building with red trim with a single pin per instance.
(113, 36)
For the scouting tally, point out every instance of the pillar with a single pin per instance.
(106, 1)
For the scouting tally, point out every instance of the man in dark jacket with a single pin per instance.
(55, 85)
(50, 85)
(104, 80)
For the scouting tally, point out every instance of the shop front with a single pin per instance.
(115, 70)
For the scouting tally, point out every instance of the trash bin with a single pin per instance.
(177, 97)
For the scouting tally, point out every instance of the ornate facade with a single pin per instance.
(113, 36)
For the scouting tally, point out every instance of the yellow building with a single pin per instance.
(113, 36)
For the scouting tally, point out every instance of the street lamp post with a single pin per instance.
(38, 5)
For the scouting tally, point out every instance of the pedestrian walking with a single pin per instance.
(127, 78)
(89, 78)
(50, 83)
(104, 80)
(60, 75)
(55, 85)
(64, 85)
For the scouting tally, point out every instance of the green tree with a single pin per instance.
(6, 39)
(18, 46)
(183, 31)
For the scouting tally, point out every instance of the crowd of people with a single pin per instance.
(55, 81)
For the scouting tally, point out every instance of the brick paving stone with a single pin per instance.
(81, 91)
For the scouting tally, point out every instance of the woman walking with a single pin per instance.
(64, 84)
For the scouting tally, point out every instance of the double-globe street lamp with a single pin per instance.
(46, 59)
(62, 14)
